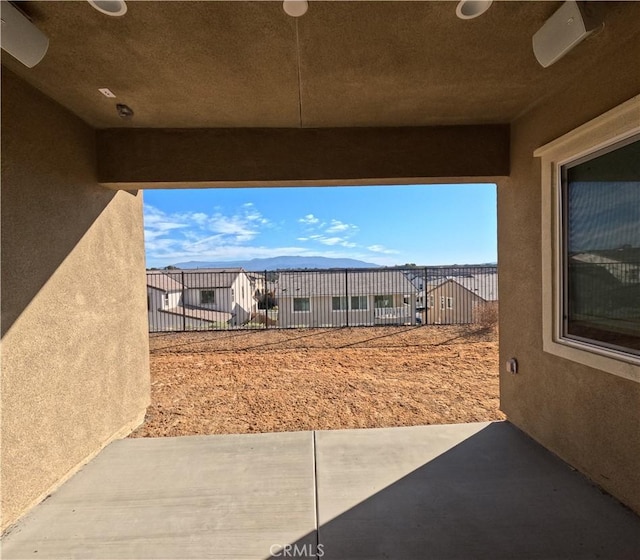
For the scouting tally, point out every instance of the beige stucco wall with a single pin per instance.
(589, 418)
(75, 370)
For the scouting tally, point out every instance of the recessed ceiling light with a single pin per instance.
(295, 8)
(469, 9)
(110, 7)
(106, 92)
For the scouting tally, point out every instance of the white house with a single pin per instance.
(225, 290)
(202, 299)
(345, 298)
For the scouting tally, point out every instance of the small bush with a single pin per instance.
(487, 315)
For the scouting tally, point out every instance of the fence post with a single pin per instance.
(346, 292)
(266, 302)
(425, 297)
(184, 312)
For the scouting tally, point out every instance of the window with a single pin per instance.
(166, 299)
(338, 303)
(590, 192)
(449, 303)
(359, 303)
(442, 302)
(207, 296)
(600, 231)
(382, 302)
(301, 304)
(431, 301)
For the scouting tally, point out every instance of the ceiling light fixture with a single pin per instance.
(113, 8)
(569, 25)
(469, 9)
(20, 38)
(295, 8)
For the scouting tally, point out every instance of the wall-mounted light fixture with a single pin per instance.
(469, 9)
(567, 27)
(110, 7)
(20, 38)
(295, 8)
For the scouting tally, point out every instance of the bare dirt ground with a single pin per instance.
(288, 380)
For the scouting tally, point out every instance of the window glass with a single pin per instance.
(359, 303)
(338, 303)
(382, 302)
(301, 304)
(207, 296)
(601, 248)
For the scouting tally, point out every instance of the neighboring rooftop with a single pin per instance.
(340, 283)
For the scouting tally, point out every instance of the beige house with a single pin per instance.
(459, 300)
(352, 93)
(450, 303)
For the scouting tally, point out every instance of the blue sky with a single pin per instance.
(422, 224)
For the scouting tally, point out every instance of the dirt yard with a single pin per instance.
(287, 380)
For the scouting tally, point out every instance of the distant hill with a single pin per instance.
(280, 263)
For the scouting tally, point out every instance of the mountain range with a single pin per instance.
(280, 263)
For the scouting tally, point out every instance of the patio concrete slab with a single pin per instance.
(481, 491)
(228, 497)
(465, 491)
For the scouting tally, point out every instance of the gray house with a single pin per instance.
(345, 298)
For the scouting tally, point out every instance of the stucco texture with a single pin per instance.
(590, 418)
(75, 369)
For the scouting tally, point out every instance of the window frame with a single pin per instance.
(617, 125)
(449, 302)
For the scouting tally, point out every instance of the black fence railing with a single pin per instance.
(602, 301)
(222, 299)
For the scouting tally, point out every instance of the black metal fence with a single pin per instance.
(222, 299)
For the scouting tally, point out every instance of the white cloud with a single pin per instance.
(196, 235)
(330, 240)
(336, 226)
(381, 249)
(309, 219)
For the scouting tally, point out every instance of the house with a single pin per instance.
(205, 298)
(457, 299)
(164, 291)
(219, 289)
(167, 310)
(345, 298)
(353, 93)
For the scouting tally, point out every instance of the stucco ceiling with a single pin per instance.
(248, 64)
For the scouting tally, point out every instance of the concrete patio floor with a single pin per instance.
(465, 491)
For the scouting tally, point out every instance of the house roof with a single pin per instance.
(163, 282)
(484, 286)
(211, 278)
(202, 314)
(340, 283)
